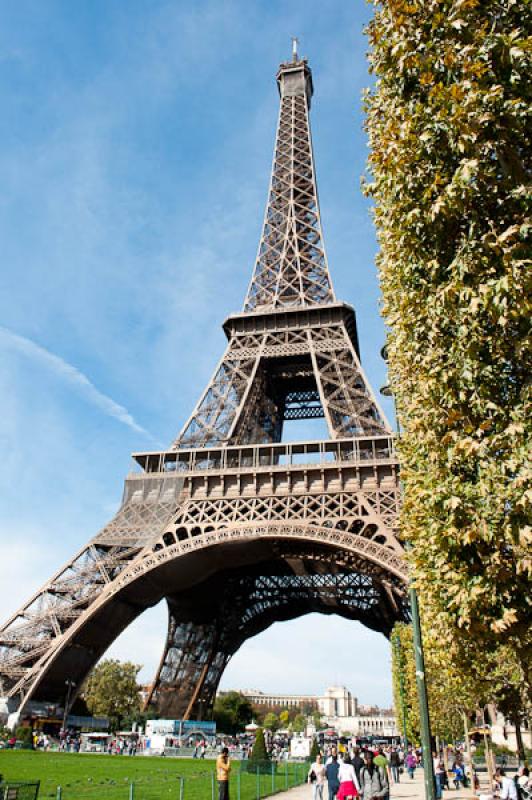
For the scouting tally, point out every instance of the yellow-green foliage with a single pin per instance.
(112, 689)
(450, 165)
(404, 672)
(452, 691)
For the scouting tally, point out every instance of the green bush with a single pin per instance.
(25, 735)
(259, 757)
(259, 752)
(314, 750)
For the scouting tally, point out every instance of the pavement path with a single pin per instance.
(405, 790)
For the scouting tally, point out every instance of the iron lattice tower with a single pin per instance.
(234, 528)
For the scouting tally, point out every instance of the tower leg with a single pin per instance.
(190, 670)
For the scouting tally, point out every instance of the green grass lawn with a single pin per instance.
(102, 777)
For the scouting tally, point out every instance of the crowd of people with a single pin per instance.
(518, 787)
(355, 773)
(122, 745)
(69, 741)
(368, 772)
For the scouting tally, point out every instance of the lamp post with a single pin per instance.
(424, 716)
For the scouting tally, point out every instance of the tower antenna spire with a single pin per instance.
(295, 42)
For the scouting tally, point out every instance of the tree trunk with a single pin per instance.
(468, 749)
(519, 739)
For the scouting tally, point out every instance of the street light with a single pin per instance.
(424, 716)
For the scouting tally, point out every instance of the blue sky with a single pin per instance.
(135, 150)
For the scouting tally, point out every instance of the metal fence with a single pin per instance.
(244, 784)
(19, 791)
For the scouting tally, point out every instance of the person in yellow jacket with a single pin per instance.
(223, 768)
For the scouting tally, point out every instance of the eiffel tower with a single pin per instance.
(233, 527)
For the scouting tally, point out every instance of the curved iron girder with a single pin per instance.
(158, 573)
(209, 624)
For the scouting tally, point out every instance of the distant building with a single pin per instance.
(337, 701)
(339, 709)
(258, 698)
(503, 731)
(382, 725)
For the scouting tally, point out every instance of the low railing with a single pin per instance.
(245, 783)
(14, 790)
(367, 450)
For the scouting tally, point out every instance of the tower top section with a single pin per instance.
(294, 79)
(291, 267)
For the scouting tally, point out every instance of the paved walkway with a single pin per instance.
(414, 790)
(405, 790)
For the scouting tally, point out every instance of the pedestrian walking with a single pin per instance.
(459, 776)
(381, 761)
(349, 785)
(358, 762)
(223, 768)
(316, 775)
(332, 769)
(438, 770)
(411, 763)
(373, 780)
(395, 765)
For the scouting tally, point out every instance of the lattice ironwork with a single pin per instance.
(291, 267)
(234, 528)
(249, 403)
(239, 605)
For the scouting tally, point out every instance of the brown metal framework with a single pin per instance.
(235, 528)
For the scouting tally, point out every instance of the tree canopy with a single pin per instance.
(271, 721)
(232, 712)
(112, 689)
(284, 718)
(448, 122)
(456, 687)
(299, 722)
(259, 753)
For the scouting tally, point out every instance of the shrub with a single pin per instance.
(259, 757)
(25, 735)
(314, 750)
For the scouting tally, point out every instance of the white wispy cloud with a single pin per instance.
(72, 374)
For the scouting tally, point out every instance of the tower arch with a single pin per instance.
(222, 588)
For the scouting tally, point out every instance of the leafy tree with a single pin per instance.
(259, 760)
(138, 718)
(259, 754)
(232, 712)
(271, 721)
(284, 718)
(299, 723)
(112, 689)
(506, 686)
(451, 693)
(24, 734)
(454, 691)
(314, 750)
(447, 123)
(316, 717)
(404, 678)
